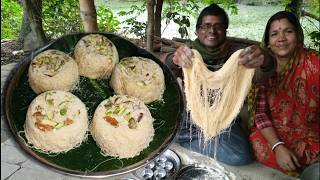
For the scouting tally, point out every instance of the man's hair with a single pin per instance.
(213, 10)
(284, 15)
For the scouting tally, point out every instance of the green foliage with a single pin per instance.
(227, 5)
(180, 14)
(134, 26)
(11, 19)
(315, 37)
(295, 7)
(312, 28)
(314, 7)
(176, 12)
(107, 22)
(61, 17)
(181, 20)
(261, 2)
(185, 8)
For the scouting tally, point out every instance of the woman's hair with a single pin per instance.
(283, 15)
(213, 10)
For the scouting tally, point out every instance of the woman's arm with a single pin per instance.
(285, 158)
(270, 135)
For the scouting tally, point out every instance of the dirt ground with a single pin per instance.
(11, 52)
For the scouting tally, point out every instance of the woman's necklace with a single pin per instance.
(281, 65)
(283, 68)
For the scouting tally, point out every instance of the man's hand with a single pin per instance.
(252, 57)
(286, 159)
(182, 57)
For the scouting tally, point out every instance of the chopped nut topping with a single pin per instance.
(111, 121)
(68, 121)
(132, 124)
(43, 127)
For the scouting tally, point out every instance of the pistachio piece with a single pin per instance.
(132, 123)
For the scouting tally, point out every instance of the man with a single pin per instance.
(231, 147)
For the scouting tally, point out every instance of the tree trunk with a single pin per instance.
(25, 28)
(150, 25)
(157, 18)
(37, 37)
(88, 15)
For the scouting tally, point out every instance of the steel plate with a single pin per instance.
(199, 172)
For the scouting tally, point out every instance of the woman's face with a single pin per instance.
(212, 32)
(282, 38)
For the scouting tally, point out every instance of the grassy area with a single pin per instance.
(250, 21)
(118, 5)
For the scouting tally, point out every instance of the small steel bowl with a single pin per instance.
(160, 173)
(150, 165)
(166, 165)
(147, 173)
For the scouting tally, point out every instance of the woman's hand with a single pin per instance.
(252, 57)
(182, 57)
(286, 159)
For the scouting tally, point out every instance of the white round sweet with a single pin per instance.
(96, 56)
(56, 121)
(139, 77)
(53, 70)
(122, 126)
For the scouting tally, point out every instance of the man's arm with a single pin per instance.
(175, 69)
(266, 70)
(264, 64)
(180, 58)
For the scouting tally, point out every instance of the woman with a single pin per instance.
(285, 135)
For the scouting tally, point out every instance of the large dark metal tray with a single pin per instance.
(86, 160)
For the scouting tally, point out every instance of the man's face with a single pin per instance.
(212, 32)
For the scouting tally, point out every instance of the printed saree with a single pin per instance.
(293, 97)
